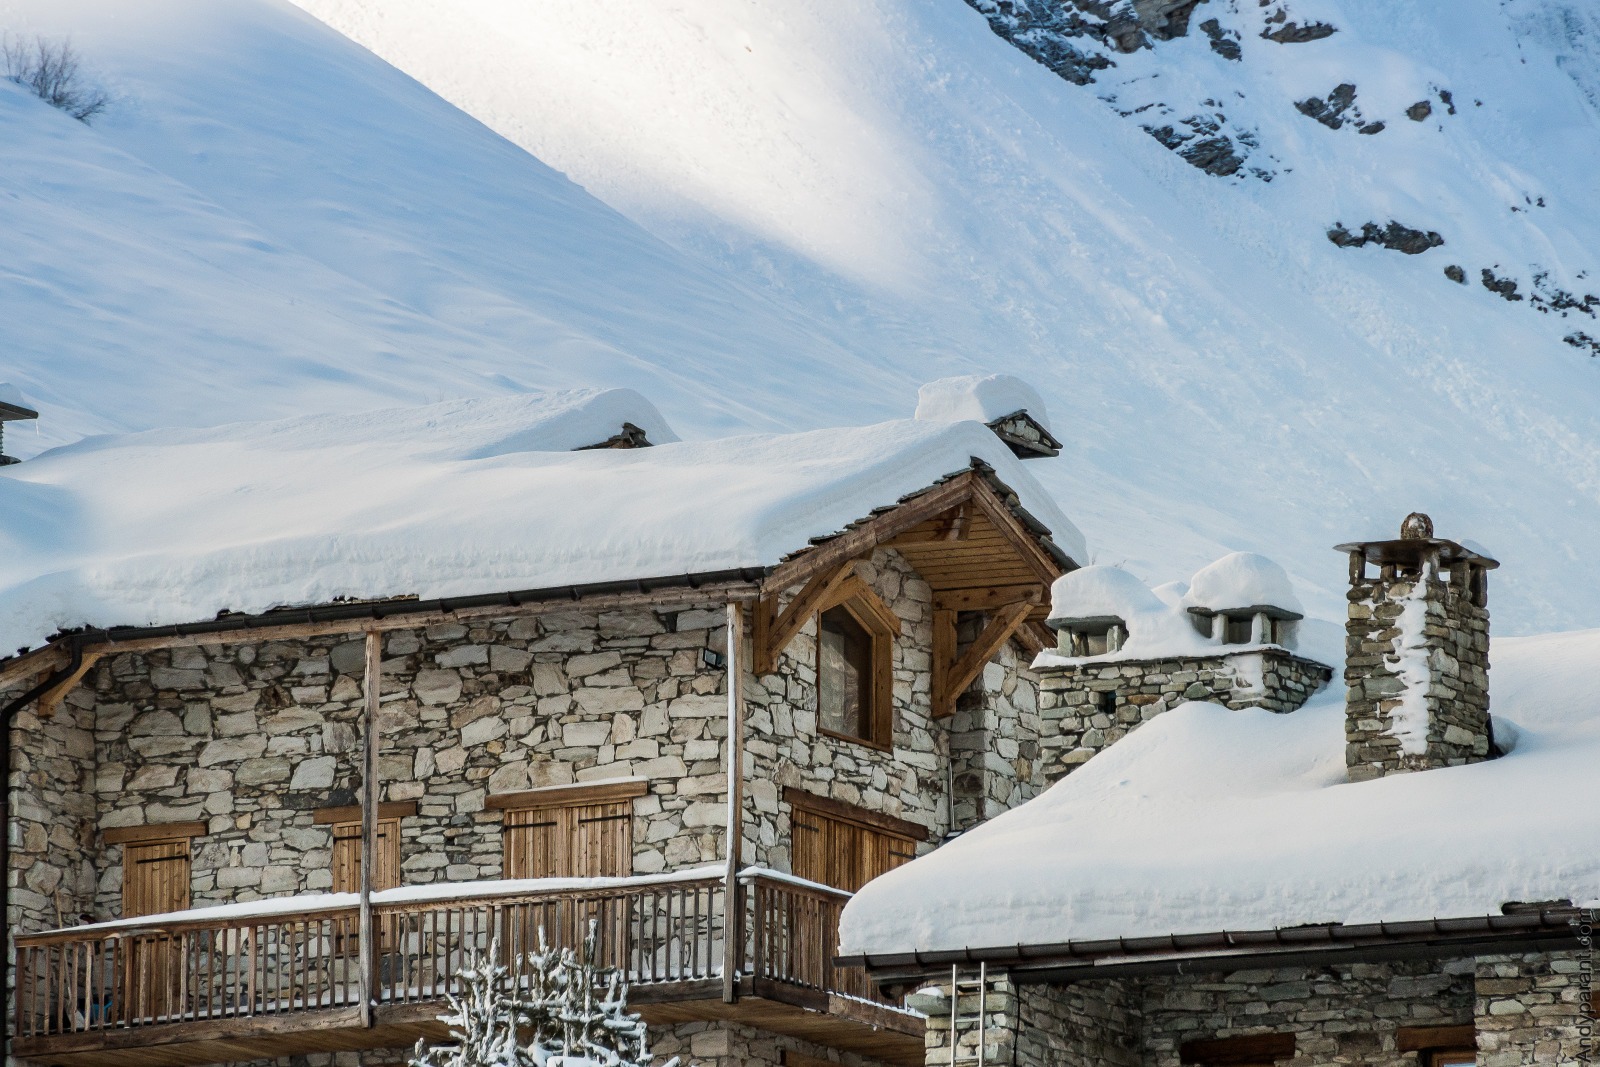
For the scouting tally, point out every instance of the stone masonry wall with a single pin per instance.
(1042, 1025)
(52, 874)
(1531, 1009)
(1346, 1014)
(723, 1044)
(994, 740)
(785, 749)
(252, 738)
(1086, 706)
(1455, 636)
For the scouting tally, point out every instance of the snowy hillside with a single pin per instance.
(847, 201)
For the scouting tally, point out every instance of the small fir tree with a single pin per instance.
(561, 1011)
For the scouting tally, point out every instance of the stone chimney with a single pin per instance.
(1416, 654)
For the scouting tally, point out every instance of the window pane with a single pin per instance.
(844, 681)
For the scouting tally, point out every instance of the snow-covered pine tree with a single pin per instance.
(560, 1011)
(485, 1018)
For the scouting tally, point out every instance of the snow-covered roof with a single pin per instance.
(453, 499)
(1207, 819)
(981, 397)
(1242, 580)
(1099, 592)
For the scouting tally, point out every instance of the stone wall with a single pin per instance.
(784, 748)
(1088, 1023)
(1347, 1014)
(52, 874)
(1085, 706)
(725, 1044)
(994, 740)
(1454, 639)
(253, 738)
(1531, 1009)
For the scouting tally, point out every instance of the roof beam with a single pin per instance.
(781, 628)
(1002, 624)
(51, 698)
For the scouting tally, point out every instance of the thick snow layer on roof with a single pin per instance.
(983, 397)
(10, 394)
(453, 499)
(1242, 580)
(1095, 592)
(1206, 819)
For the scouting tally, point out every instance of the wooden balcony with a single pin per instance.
(264, 983)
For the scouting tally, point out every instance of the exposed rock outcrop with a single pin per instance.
(1395, 236)
(1338, 110)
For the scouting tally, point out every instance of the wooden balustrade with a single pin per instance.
(794, 930)
(184, 971)
(657, 931)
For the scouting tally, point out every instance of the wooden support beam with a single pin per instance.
(782, 629)
(944, 657)
(1253, 1049)
(369, 823)
(1035, 636)
(985, 597)
(52, 697)
(31, 668)
(1002, 625)
(733, 909)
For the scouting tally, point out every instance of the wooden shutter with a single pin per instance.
(844, 853)
(155, 877)
(570, 841)
(347, 856)
(531, 843)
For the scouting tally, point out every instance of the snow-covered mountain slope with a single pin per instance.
(269, 220)
(1214, 359)
(846, 200)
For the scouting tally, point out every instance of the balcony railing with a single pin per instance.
(663, 932)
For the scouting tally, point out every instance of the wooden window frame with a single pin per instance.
(1433, 1043)
(882, 626)
(396, 809)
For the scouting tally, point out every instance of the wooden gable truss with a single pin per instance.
(966, 541)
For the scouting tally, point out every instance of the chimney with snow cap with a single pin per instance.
(1009, 406)
(11, 410)
(1416, 654)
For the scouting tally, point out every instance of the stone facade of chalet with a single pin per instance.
(1525, 1009)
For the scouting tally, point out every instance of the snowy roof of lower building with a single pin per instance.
(454, 499)
(1206, 819)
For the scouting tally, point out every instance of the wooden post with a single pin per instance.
(733, 906)
(369, 827)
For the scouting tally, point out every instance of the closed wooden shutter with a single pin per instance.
(569, 841)
(155, 877)
(347, 856)
(843, 853)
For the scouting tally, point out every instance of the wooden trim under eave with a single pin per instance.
(560, 796)
(171, 831)
(838, 809)
(393, 809)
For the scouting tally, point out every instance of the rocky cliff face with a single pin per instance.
(1227, 85)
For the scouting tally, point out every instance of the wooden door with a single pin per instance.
(155, 880)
